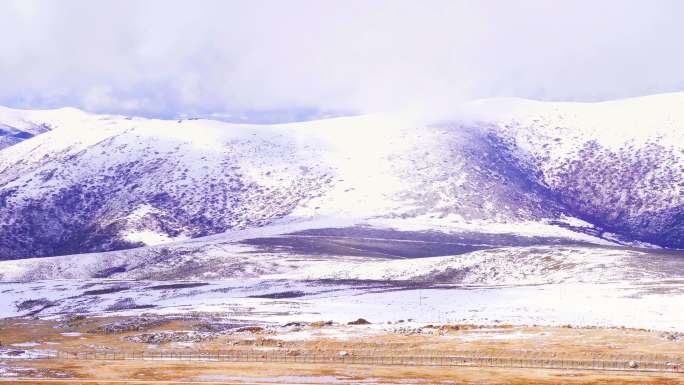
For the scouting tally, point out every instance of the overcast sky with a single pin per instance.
(175, 58)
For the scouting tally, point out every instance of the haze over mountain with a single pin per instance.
(73, 182)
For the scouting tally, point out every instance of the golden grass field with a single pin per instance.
(516, 341)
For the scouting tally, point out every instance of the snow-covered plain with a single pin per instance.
(655, 304)
(545, 284)
(481, 261)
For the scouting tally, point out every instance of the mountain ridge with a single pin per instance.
(92, 183)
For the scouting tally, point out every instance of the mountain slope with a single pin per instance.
(117, 184)
(619, 165)
(83, 183)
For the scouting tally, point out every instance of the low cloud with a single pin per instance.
(226, 58)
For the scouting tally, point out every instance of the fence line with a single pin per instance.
(367, 358)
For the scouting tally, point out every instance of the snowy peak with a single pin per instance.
(17, 126)
(73, 182)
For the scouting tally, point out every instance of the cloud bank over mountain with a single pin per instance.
(168, 58)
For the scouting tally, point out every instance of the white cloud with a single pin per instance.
(102, 98)
(202, 57)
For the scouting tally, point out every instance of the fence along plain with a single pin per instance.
(364, 357)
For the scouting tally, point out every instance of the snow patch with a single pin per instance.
(151, 238)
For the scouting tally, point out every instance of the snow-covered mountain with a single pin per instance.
(73, 182)
(17, 126)
(618, 164)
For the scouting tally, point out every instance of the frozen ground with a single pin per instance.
(654, 304)
(342, 274)
(472, 253)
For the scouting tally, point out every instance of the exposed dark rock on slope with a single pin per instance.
(72, 182)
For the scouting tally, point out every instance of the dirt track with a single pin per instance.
(132, 372)
(93, 381)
